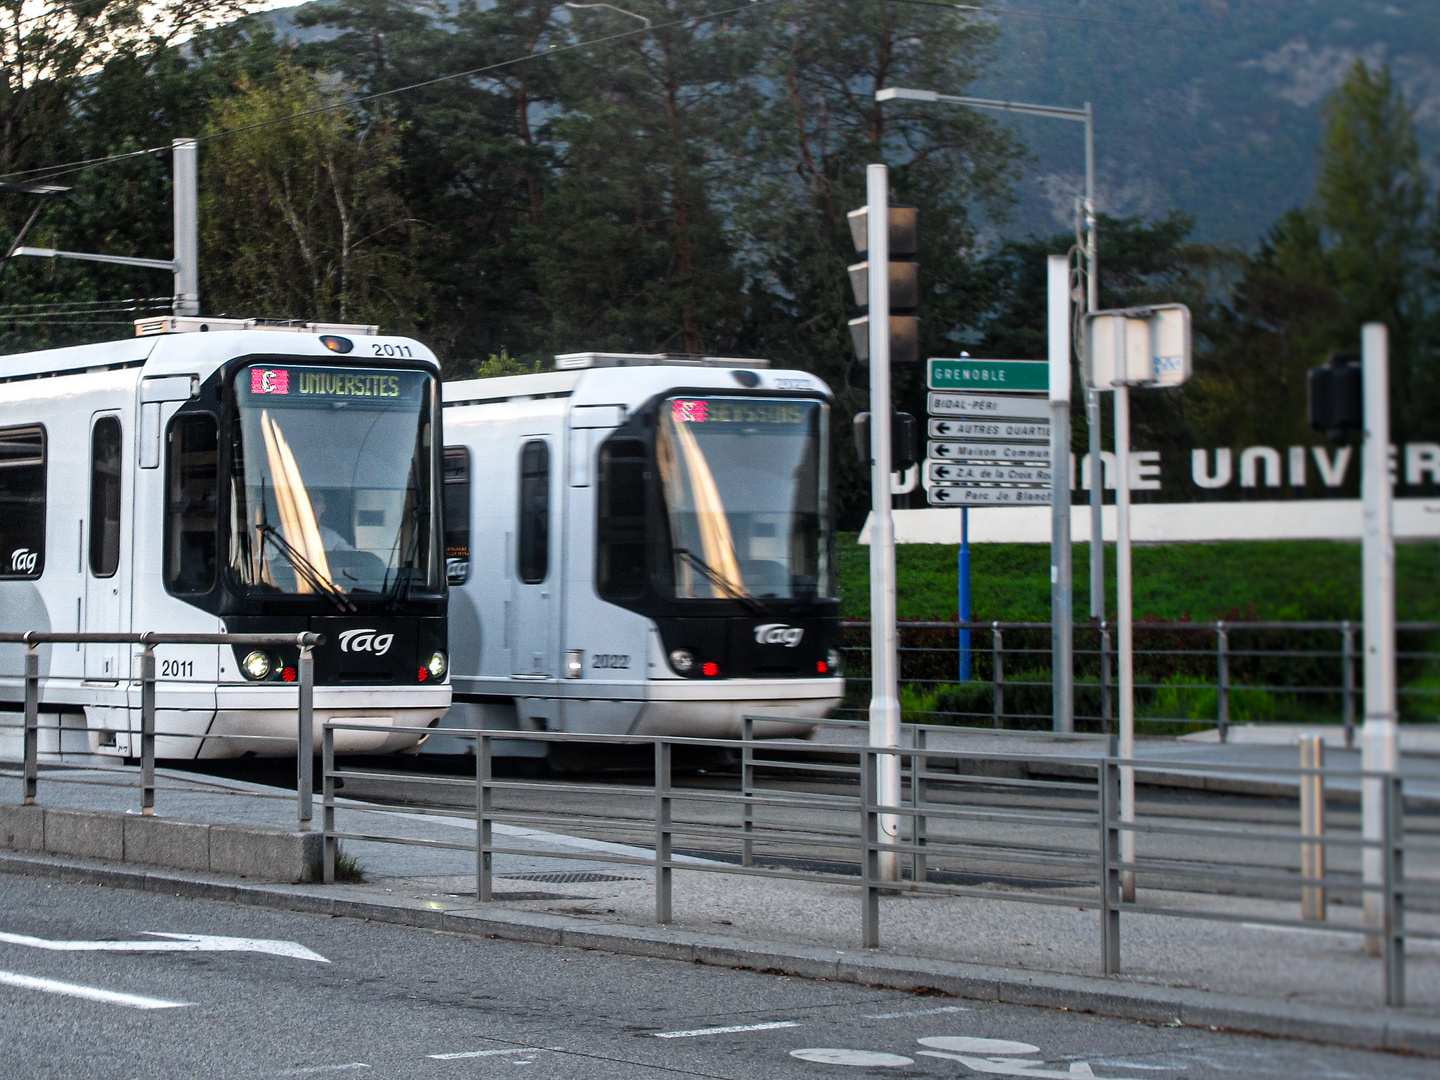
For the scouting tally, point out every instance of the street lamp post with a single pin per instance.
(1092, 303)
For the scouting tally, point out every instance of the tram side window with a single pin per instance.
(191, 500)
(534, 553)
(620, 538)
(22, 502)
(457, 514)
(105, 496)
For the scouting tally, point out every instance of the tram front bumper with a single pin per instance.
(261, 720)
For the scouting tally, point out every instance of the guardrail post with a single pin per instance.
(1108, 782)
(1106, 705)
(747, 788)
(327, 803)
(1347, 679)
(484, 811)
(147, 726)
(1312, 824)
(32, 724)
(919, 766)
(1222, 695)
(997, 670)
(1394, 884)
(869, 851)
(663, 838)
(305, 741)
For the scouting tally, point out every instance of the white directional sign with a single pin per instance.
(1013, 407)
(971, 472)
(966, 451)
(989, 429)
(957, 495)
(171, 943)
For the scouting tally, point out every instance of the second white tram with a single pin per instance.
(233, 478)
(640, 544)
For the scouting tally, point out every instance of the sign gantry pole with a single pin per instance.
(884, 673)
(1061, 592)
(1379, 737)
(1124, 622)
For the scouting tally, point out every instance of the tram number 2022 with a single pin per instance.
(611, 660)
(177, 669)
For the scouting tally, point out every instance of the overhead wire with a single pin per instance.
(50, 172)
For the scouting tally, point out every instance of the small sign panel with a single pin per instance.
(989, 429)
(966, 374)
(955, 495)
(988, 406)
(974, 472)
(1147, 346)
(984, 451)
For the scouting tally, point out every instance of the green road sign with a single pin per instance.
(963, 374)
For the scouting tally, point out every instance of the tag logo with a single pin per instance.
(23, 560)
(357, 641)
(269, 381)
(778, 634)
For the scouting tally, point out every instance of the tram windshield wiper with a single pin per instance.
(719, 580)
(305, 569)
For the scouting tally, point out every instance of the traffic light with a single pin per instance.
(904, 284)
(1333, 396)
(904, 440)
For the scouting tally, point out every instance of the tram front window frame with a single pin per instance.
(311, 539)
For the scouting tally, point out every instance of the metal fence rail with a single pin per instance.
(965, 832)
(304, 686)
(1188, 675)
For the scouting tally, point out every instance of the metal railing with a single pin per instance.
(1188, 675)
(1014, 828)
(304, 684)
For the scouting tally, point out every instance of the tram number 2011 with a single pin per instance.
(381, 348)
(611, 660)
(177, 669)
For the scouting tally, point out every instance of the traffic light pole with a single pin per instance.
(884, 657)
(1379, 737)
(1061, 599)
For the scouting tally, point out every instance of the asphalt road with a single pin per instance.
(390, 1001)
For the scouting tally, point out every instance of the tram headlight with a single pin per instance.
(257, 665)
(437, 665)
(682, 660)
(833, 659)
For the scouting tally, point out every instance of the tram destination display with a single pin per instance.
(986, 448)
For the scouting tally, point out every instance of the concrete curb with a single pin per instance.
(1371, 1029)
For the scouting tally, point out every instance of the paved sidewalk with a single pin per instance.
(1312, 983)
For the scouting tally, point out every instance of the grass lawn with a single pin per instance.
(1304, 579)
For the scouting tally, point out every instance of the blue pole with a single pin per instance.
(964, 580)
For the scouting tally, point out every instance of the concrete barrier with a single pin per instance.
(249, 851)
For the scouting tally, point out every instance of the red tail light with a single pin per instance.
(710, 669)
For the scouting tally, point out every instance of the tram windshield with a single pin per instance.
(331, 488)
(746, 487)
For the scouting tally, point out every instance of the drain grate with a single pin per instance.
(569, 878)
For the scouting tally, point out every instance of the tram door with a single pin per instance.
(100, 553)
(535, 570)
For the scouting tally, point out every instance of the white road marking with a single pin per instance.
(488, 1053)
(999, 1066)
(917, 1012)
(831, 1055)
(313, 1069)
(176, 943)
(965, 1044)
(726, 1030)
(89, 993)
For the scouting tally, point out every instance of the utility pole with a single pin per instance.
(1092, 396)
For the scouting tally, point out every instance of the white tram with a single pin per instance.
(640, 544)
(230, 479)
